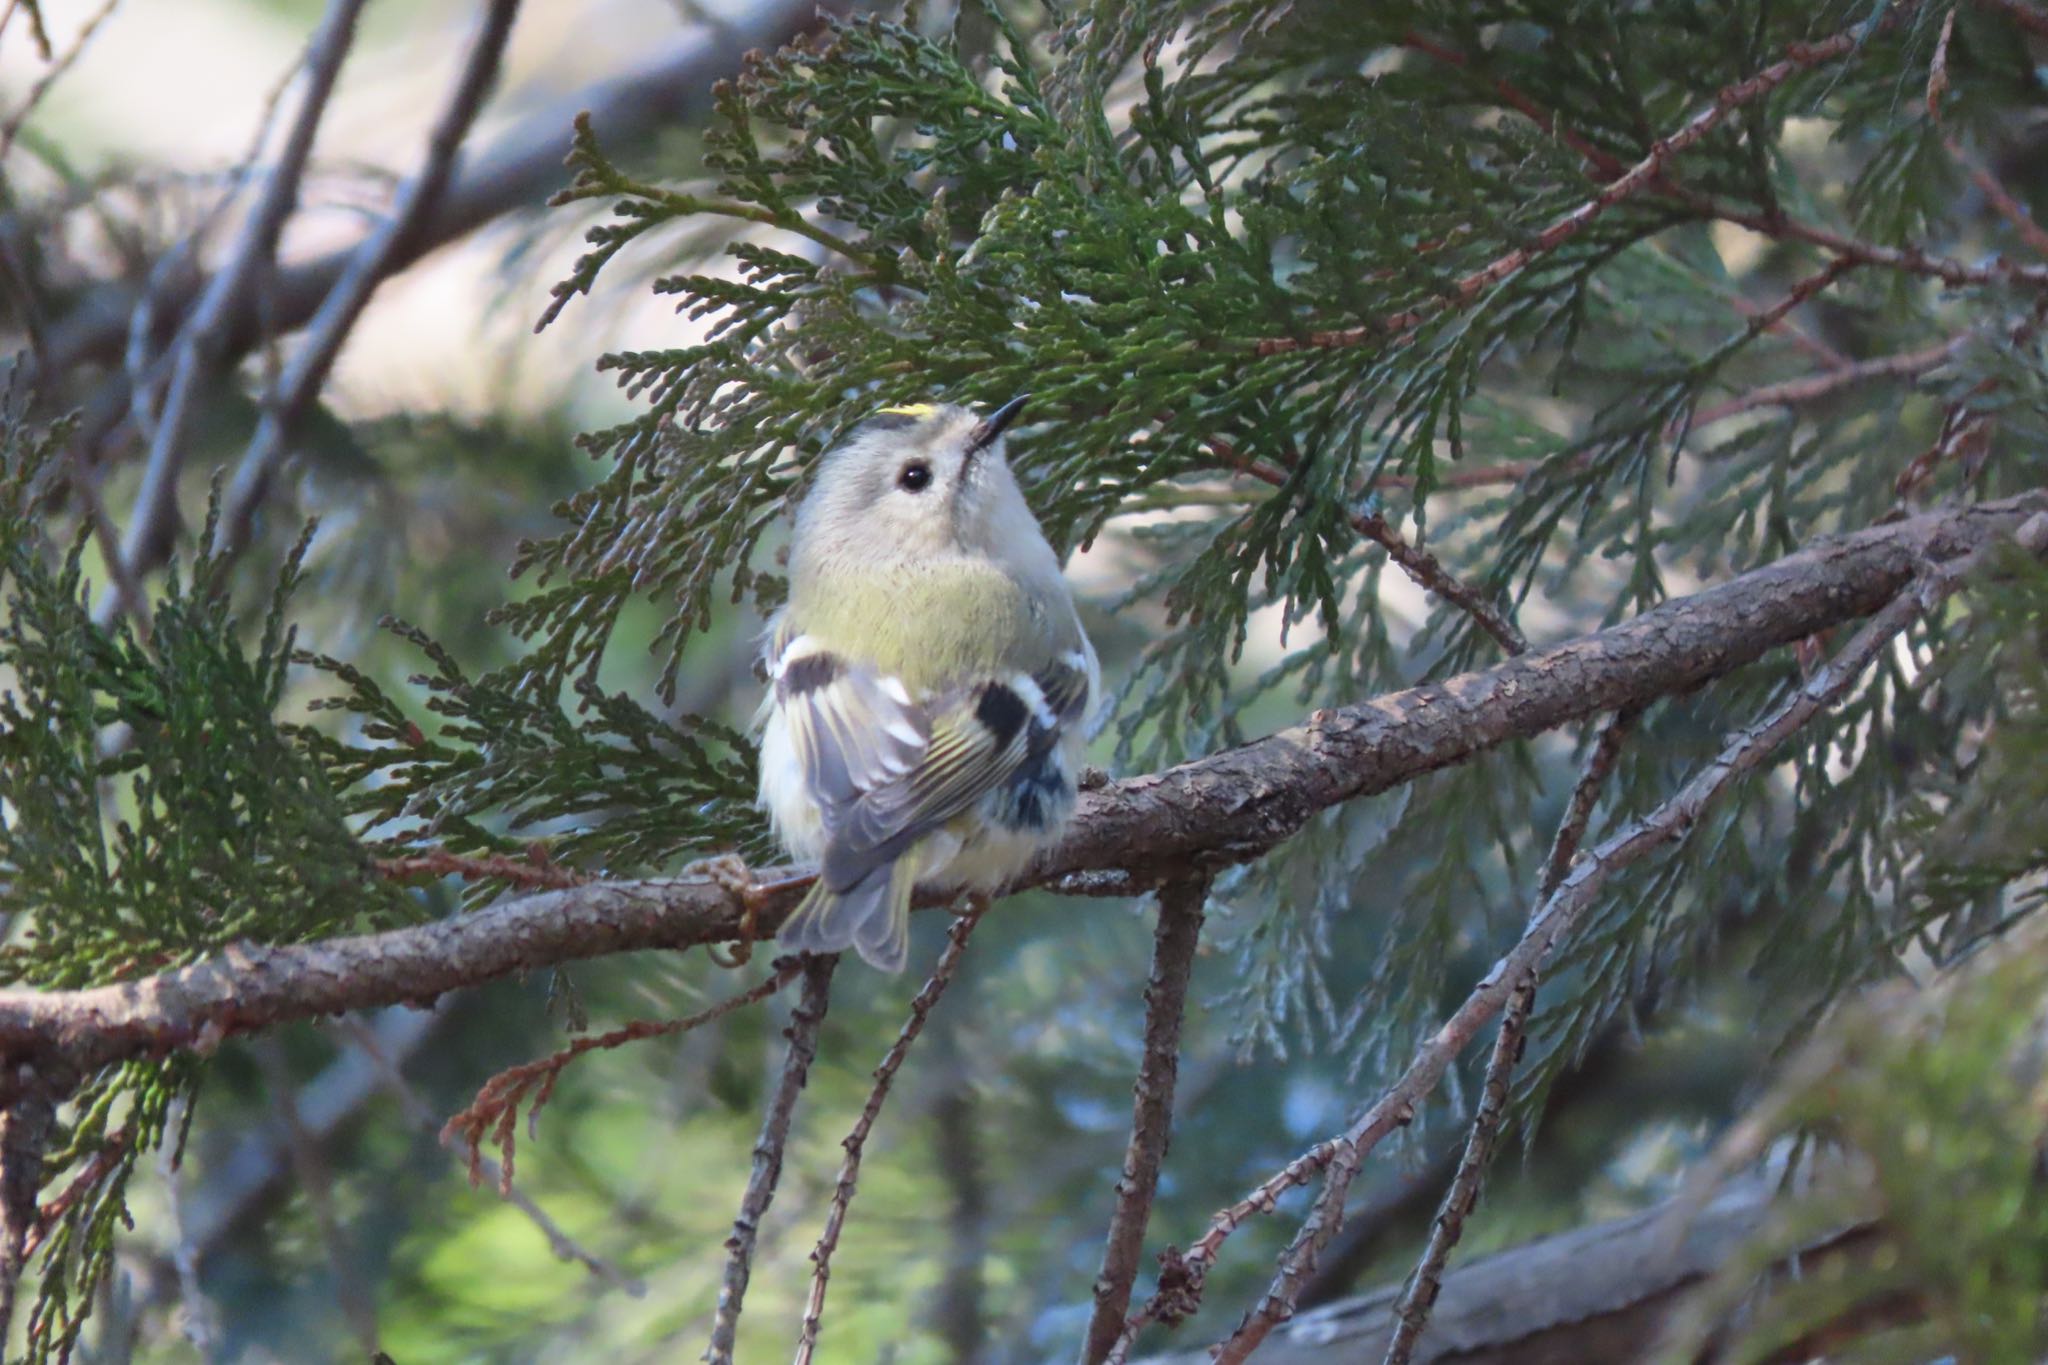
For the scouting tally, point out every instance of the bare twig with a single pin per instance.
(380, 254)
(421, 1116)
(855, 1142)
(309, 1159)
(1412, 1314)
(1173, 959)
(27, 1122)
(198, 1313)
(203, 347)
(1422, 567)
(496, 1107)
(535, 870)
(958, 1314)
(1341, 1156)
(804, 1022)
(1814, 387)
(11, 129)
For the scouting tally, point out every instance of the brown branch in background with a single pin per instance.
(958, 1315)
(38, 35)
(804, 1023)
(203, 347)
(421, 1116)
(1814, 387)
(286, 402)
(1650, 170)
(27, 1123)
(316, 1179)
(2001, 199)
(535, 870)
(495, 1110)
(1412, 1314)
(1340, 1157)
(1424, 569)
(12, 128)
(855, 1141)
(1128, 836)
(1179, 932)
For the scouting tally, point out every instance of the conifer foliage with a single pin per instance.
(1558, 312)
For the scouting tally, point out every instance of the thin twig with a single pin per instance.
(421, 1116)
(1166, 994)
(316, 1179)
(202, 347)
(804, 1023)
(288, 401)
(1422, 567)
(1341, 1156)
(1812, 388)
(534, 870)
(855, 1141)
(198, 1324)
(2002, 200)
(496, 1107)
(1937, 70)
(1412, 1313)
(12, 128)
(958, 1314)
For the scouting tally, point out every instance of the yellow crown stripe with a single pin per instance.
(913, 409)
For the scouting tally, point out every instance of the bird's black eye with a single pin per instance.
(915, 478)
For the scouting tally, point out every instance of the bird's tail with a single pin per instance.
(872, 917)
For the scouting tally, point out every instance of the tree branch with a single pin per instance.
(377, 257)
(1130, 835)
(855, 1141)
(1181, 906)
(520, 170)
(804, 1023)
(1414, 1309)
(1341, 1156)
(1602, 1292)
(206, 343)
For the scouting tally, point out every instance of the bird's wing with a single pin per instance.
(853, 730)
(888, 768)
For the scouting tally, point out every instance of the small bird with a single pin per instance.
(930, 682)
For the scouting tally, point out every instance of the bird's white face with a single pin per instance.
(914, 482)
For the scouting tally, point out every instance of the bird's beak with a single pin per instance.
(991, 426)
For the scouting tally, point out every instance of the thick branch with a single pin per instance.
(1595, 1293)
(1141, 832)
(1166, 997)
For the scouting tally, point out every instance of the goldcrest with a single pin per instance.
(930, 679)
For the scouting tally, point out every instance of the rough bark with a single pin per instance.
(1602, 1293)
(1129, 835)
